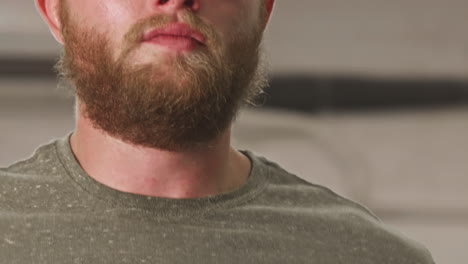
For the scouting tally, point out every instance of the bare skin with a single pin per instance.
(153, 172)
(216, 169)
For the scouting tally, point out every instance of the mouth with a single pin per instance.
(178, 36)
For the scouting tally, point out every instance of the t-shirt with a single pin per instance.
(51, 211)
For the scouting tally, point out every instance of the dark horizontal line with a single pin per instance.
(314, 93)
(24, 67)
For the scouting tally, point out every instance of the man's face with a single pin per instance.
(116, 18)
(168, 74)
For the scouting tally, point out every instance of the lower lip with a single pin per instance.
(175, 43)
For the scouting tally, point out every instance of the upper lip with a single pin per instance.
(177, 29)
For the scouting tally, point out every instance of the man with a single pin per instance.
(149, 175)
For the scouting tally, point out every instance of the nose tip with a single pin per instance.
(173, 5)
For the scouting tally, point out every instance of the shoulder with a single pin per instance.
(25, 180)
(43, 159)
(297, 190)
(346, 222)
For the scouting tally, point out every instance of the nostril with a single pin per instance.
(192, 4)
(189, 3)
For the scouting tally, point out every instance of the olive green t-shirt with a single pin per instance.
(51, 211)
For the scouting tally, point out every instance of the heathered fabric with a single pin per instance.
(51, 211)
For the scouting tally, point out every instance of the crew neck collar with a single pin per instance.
(254, 185)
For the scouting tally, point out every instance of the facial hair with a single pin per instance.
(181, 103)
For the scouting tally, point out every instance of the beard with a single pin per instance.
(182, 102)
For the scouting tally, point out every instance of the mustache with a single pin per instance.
(135, 35)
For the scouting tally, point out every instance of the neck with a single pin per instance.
(154, 172)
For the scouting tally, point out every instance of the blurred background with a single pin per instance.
(369, 98)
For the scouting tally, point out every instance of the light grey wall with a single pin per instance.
(399, 37)
(375, 37)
